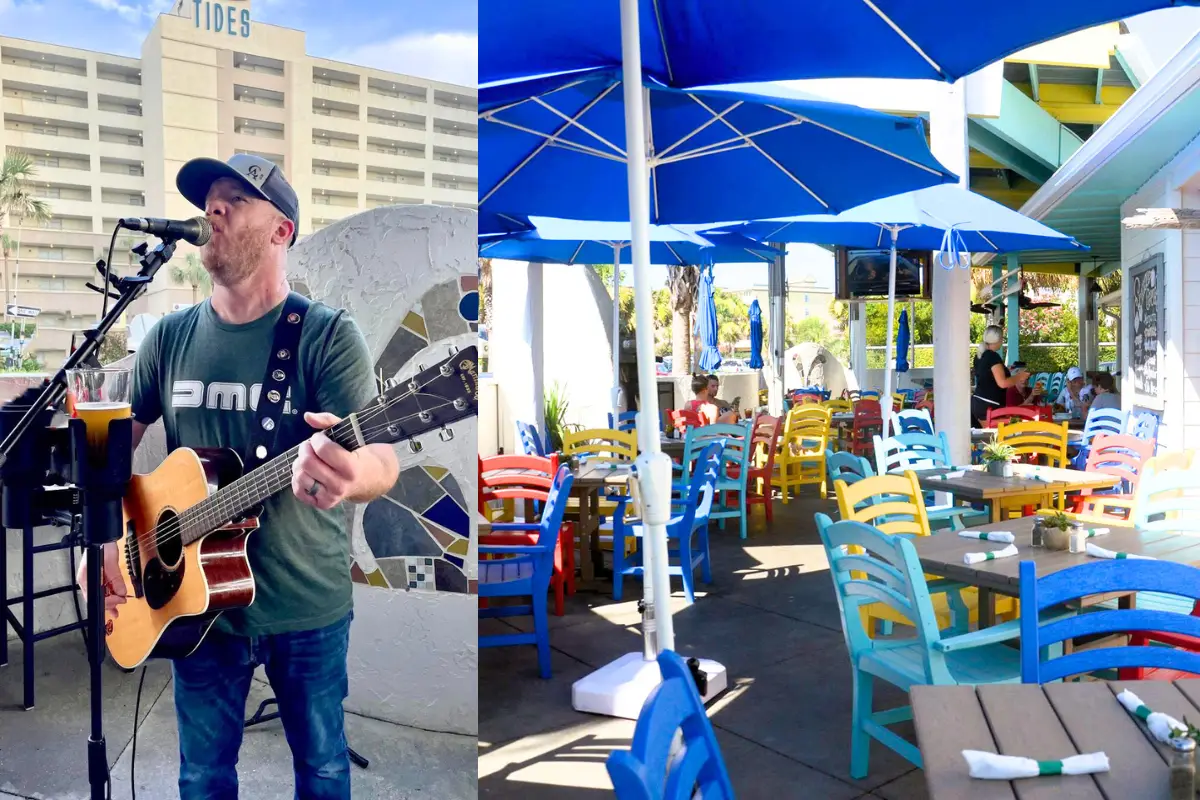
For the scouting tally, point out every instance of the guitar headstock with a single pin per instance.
(430, 400)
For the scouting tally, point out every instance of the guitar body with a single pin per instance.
(183, 589)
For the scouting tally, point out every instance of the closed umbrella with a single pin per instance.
(709, 42)
(756, 336)
(949, 219)
(706, 324)
(554, 145)
(902, 339)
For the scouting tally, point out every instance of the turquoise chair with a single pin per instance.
(917, 451)
(738, 451)
(653, 769)
(890, 572)
(687, 532)
(1167, 502)
(846, 467)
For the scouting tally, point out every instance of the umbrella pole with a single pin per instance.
(621, 687)
(616, 337)
(886, 401)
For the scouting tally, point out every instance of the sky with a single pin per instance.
(436, 39)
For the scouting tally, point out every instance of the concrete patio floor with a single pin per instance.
(770, 617)
(43, 752)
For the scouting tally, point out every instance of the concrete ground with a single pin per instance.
(770, 617)
(43, 752)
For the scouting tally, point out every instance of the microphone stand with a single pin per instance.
(102, 486)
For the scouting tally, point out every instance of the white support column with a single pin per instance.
(952, 291)
(516, 351)
(1089, 329)
(537, 346)
(776, 328)
(858, 344)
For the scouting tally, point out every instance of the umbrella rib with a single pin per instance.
(557, 142)
(574, 121)
(763, 153)
(704, 125)
(525, 161)
(863, 142)
(720, 147)
(523, 100)
(575, 255)
(905, 37)
(650, 160)
(983, 236)
(682, 261)
(662, 40)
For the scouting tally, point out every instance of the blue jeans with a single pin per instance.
(307, 671)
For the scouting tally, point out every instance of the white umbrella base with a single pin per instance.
(620, 688)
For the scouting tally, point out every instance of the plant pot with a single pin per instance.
(1056, 538)
(1001, 469)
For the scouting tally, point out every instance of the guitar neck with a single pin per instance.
(252, 488)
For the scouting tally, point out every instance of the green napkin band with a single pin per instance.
(1142, 712)
(974, 535)
(991, 554)
(1049, 767)
(1122, 555)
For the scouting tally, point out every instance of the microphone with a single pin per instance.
(195, 231)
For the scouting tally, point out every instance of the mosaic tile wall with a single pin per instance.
(418, 537)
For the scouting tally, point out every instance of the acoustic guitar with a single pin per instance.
(187, 524)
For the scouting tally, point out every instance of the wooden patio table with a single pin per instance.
(975, 484)
(942, 554)
(1048, 723)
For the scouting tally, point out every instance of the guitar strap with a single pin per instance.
(282, 366)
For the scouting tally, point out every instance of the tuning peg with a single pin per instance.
(453, 350)
(445, 434)
(415, 446)
(446, 370)
(460, 404)
(424, 416)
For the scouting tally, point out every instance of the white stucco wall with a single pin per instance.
(578, 341)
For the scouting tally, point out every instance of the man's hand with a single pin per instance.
(115, 592)
(325, 473)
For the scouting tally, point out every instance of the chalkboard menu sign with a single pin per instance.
(1147, 317)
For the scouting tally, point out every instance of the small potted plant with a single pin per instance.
(1053, 531)
(998, 457)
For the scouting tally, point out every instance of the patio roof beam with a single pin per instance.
(1099, 87)
(1033, 83)
(1163, 219)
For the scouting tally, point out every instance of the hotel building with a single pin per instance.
(108, 134)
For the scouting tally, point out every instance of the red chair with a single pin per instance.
(529, 478)
(1119, 455)
(926, 403)
(1005, 415)
(682, 419)
(868, 422)
(764, 440)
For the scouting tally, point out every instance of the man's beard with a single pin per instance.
(236, 259)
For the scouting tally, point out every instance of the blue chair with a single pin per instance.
(912, 420)
(627, 421)
(650, 770)
(526, 573)
(683, 558)
(1099, 421)
(917, 451)
(1143, 425)
(842, 466)
(1100, 577)
(739, 448)
(531, 441)
(887, 570)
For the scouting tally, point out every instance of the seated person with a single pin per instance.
(1069, 397)
(1105, 392)
(703, 405)
(1020, 393)
(723, 406)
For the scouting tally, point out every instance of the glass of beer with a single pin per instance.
(98, 396)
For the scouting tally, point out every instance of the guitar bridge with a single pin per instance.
(133, 559)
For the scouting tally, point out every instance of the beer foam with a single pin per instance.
(100, 406)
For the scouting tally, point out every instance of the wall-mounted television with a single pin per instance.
(862, 272)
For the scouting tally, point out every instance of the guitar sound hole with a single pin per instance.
(164, 573)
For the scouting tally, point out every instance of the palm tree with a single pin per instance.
(17, 204)
(192, 273)
(682, 282)
(7, 246)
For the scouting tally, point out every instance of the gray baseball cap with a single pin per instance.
(262, 177)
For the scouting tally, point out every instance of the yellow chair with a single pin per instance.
(608, 446)
(1175, 459)
(896, 504)
(1046, 443)
(800, 457)
(837, 405)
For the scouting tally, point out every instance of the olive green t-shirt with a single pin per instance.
(202, 377)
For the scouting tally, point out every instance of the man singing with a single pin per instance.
(298, 626)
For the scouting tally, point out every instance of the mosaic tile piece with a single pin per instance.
(377, 578)
(468, 307)
(443, 538)
(456, 561)
(357, 575)
(416, 489)
(449, 577)
(472, 586)
(403, 345)
(394, 571)
(474, 327)
(440, 307)
(459, 547)
(393, 531)
(452, 488)
(437, 472)
(415, 323)
(449, 515)
(469, 282)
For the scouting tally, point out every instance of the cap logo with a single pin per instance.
(256, 174)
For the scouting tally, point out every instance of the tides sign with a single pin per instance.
(222, 17)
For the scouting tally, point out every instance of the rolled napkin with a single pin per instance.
(1091, 532)
(990, 766)
(990, 536)
(975, 558)
(1159, 724)
(1100, 552)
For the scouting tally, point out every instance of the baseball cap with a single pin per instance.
(1073, 373)
(262, 177)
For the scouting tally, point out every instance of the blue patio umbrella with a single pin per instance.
(902, 340)
(557, 147)
(709, 42)
(491, 223)
(949, 219)
(756, 336)
(706, 323)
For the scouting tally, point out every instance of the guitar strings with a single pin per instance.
(228, 506)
